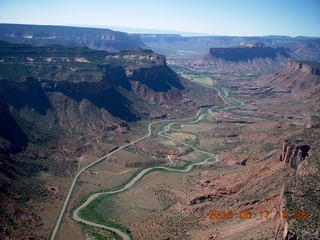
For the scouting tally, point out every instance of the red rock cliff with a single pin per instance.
(293, 154)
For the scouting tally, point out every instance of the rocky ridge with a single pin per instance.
(300, 193)
(94, 38)
(294, 154)
(305, 67)
(300, 82)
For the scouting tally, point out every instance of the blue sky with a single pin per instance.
(218, 17)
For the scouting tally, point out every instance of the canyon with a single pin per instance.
(56, 109)
(69, 96)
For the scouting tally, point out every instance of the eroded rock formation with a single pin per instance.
(306, 67)
(293, 154)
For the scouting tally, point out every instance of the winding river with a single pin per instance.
(201, 114)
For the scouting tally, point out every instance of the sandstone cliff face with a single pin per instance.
(157, 78)
(301, 80)
(150, 78)
(246, 53)
(305, 67)
(282, 231)
(28, 92)
(281, 225)
(242, 60)
(118, 83)
(254, 60)
(293, 154)
(301, 190)
(165, 99)
(142, 55)
(75, 87)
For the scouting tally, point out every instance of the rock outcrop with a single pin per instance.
(307, 67)
(151, 78)
(282, 231)
(293, 154)
(68, 87)
(109, 81)
(300, 192)
(201, 199)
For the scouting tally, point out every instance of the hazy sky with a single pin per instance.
(220, 17)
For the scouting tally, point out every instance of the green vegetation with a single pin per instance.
(101, 209)
(133, 175)
(99, 234)
(194, 142)
(175, 126)
(120, 227)
(91, 211)
(184, 166)
(190, 141)
(164, 195)
(195, 76)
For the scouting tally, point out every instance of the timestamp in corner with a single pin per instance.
(262, 214)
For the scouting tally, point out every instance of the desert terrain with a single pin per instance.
(102, 138)
(238, 196)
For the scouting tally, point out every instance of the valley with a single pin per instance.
(81, 213)
(60, 115)
(102, 138)
(247, 177)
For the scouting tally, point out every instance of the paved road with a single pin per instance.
(143, 173)
(198, 117)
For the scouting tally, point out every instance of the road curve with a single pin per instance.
(75, 214)
(198, 117)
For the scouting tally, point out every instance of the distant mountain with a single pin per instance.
(303, 48)
(95, 38)
(246, 60)
(238, 61)
(136, 30)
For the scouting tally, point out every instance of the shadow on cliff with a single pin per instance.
(9, 128)
(159, 79)
(109, 99)
(116, 75)
(26, 93)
